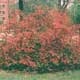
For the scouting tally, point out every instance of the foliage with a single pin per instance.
(41, 41)
(75, 12)
(30, 5)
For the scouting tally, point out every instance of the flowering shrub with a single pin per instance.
(42, 41)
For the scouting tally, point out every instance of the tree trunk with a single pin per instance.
(62, 4)
(21, 5)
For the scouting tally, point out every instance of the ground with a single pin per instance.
(70, 75)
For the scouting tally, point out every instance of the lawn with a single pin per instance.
(74, 75)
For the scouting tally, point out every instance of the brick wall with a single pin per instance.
(4, 10)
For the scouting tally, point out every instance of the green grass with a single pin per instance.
(74, 75)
